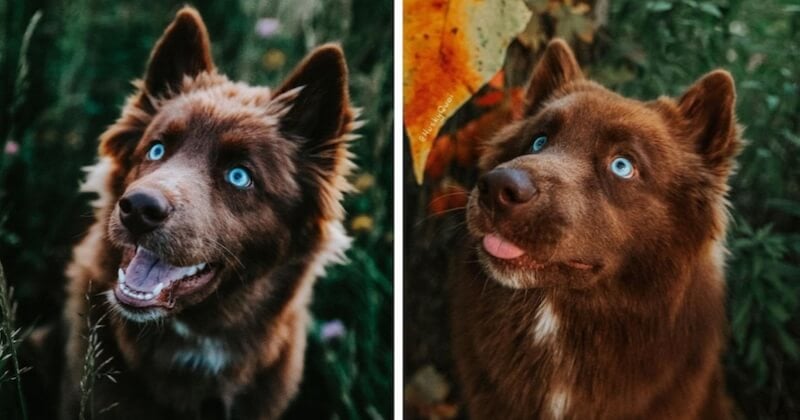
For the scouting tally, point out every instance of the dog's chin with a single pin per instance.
(518, 268)
(140, 315)
(149, 288)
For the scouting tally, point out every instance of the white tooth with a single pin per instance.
(148, 296)
(158, 288)
(121, 276)
(191, 271)
(201, 266)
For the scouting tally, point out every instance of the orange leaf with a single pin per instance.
(451, 48)
(499, 80)
(439, 158)
(490, 98)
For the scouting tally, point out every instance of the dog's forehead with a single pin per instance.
(598, 107)
(221, 104)
(223, 113)
(605, 116)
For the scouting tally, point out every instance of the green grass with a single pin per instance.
(58, 94)
(10, 370)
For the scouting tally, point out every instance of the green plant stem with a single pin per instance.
(7, 329)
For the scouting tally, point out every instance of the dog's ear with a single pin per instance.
(555, 68)
(183, 50)
(708, 111)
(318, 98)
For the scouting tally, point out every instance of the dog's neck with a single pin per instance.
(566, 334)
(665, 285)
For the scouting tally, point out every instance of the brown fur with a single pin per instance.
(234, 348)
(616, 308)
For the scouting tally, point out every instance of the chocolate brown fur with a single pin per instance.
(616, 308)
(233, 348)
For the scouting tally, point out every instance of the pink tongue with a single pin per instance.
(500, 248)
(146, 270)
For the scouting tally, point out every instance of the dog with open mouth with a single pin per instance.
(219, 204)
(593, 284)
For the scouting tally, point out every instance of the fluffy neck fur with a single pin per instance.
(563, 353)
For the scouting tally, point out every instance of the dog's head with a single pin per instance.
(212, 179)
(589, 184)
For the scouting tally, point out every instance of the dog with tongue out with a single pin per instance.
(592, 282)
(218, 205)
(147, 276)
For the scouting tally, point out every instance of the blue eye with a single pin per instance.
(239, 177)
(622, 167)
(538, 144)
(156, 151)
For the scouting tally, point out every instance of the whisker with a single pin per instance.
(433, 216)
(443, 196)
(222, 247)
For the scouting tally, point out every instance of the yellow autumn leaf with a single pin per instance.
(451, 48)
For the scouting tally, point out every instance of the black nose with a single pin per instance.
(504, 188)
(143, 210)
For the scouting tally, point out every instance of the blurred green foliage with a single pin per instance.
(661, 47)
(58, 94)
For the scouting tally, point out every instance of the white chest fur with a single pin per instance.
(546, 324)
(200, 353)
(544, 332)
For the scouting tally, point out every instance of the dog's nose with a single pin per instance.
(504, 188)
(143, 210)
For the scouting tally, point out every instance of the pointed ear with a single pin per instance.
(183, 50)
(708, 111)
(556, 68)
(320, 101)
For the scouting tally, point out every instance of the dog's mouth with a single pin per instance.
(506, 253)
(145, 280)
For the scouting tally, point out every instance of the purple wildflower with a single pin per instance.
(266, 27)
(12, 148)
(332, 330)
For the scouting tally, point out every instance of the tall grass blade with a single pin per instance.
(8, 340)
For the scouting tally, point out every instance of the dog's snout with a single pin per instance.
(504, 188)
(143, 210)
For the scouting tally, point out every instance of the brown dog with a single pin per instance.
(594, 288)
(219, 204)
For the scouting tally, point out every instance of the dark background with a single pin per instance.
(644, 49)
(65, 82)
